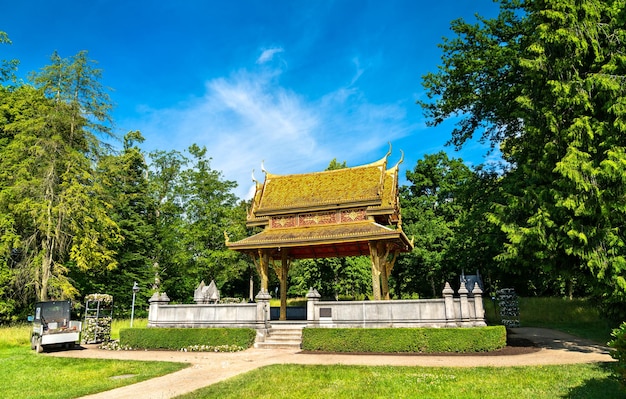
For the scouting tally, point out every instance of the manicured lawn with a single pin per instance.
(305, 381)
(25, 374)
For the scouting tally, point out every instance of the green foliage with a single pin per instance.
(399, 340)
(119, 324)
(619, 353)
(124, 179)
(349, 277)
(195, 206)
(444, 209)
(544, 82)
(179, 338)
(58, 216)
(77, 217)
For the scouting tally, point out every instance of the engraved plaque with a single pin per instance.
(326, 312)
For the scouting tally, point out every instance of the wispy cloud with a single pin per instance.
(249, 117)
(268, 54)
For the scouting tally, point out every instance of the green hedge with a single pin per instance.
(619, 344)
(179, 338)
(401, 340)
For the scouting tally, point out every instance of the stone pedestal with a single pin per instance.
(157, 299)
(311, 298)
(263, 307)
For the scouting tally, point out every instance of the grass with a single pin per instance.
(578, 317)
(117, 325)
(15, 336)
(338, 381)
(26, 374)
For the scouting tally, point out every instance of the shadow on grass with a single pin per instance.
(608, 387)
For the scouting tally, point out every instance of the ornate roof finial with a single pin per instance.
(254, 178)
(388, 152)
(226, 237)
(401, 158)
(263, 167)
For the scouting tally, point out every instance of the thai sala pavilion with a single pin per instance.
(336, 213)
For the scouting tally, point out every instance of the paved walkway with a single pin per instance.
(206, 368)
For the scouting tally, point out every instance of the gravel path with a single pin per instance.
(550, 347)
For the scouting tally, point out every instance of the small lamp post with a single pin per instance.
(132, 310)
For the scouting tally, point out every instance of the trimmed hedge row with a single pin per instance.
(178, 338)
(404, 340)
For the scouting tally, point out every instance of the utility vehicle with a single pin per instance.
(52, 326)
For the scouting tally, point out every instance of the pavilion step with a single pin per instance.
(283, 337)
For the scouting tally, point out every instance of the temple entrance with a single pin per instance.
(337, 213)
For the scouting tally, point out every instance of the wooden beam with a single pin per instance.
(375, 258)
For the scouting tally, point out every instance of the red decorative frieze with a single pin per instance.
(318, 218)
(352, 215)
(314, 219)
(283, 222)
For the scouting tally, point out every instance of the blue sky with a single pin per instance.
(288, 82)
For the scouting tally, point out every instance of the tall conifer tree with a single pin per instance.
(546, 82)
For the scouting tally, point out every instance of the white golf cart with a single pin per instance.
(52, 326)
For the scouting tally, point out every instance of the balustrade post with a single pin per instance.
(449, 305)
(465, 310)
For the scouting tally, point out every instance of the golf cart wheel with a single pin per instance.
(38, 345)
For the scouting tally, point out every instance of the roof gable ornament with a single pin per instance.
(254, 178)
(388, 152)
(401, 159)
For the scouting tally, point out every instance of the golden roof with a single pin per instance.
(348, 239)
(348, 187)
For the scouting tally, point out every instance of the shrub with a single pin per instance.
(404, 340)
(181, 338)
(619, 344)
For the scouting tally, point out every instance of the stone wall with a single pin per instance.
(464, 310)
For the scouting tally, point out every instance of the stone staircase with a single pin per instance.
(282, 336)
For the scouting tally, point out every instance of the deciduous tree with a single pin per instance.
(546, 82)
